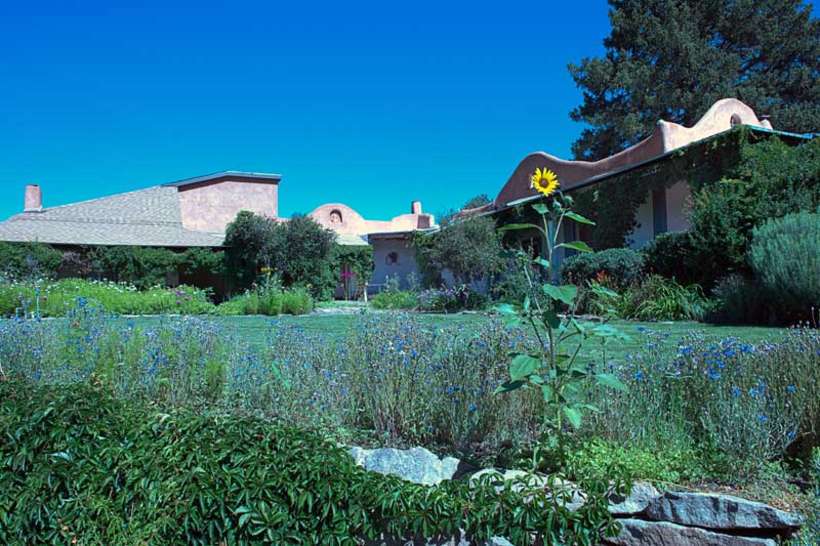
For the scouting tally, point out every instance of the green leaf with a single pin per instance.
(547, 393)
(550, 318)
(573, 416)
(523, 366)
(518, 227)
(578, 218)
(565, 293)
(540, 208)
(542, 262)
(609, 380)
(509, 386)
(579, 246)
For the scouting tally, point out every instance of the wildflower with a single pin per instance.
(736, 391)
(544, 181)
(791, 389)
(762, 418)
(639, 376)
(472, 408)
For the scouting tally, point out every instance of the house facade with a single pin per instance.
(662, 167)
(192, 213)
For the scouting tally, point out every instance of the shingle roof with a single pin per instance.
(149, 217)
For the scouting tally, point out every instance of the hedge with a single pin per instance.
(78, 465)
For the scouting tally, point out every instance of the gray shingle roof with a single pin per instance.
(149, 217)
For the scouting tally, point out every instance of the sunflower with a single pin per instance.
(544, 181)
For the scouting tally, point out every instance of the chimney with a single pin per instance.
(415, 207)
(34, 199)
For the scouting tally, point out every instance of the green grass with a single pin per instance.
(254, 329)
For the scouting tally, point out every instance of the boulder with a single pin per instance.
(638, 532)
(416, 465)
(716, 511)
(638, 500)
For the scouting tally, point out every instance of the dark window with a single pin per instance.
(659, 210)
(392, 258)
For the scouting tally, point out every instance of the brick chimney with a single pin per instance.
(415, 207)
(34, 199)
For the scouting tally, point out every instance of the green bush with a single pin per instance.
(738, 301)
(622, 266)
(76, 465)
(271, 299)
(670, 255)
(771, 180)
(470, 250)
(28, 260)
(654, 298)
(300, 251)
(785, 258)
(55, 299)
(395, 299)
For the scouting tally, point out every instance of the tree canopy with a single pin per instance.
(672, 59)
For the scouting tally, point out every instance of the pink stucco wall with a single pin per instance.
(667, 136)
(213, 205)
(343, 219)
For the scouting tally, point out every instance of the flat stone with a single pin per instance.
(638, 500)
(416, 465)
(637, 532)
(716, 511)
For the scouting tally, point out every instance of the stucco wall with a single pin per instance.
(212, 206)
(406, 264)
(645, 230)
(344, 219)
(678, 207)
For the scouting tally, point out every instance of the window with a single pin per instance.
(392, 258)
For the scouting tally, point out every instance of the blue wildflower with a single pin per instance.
(791, 389)
(639, 376)
(762, 418)
(736, 391)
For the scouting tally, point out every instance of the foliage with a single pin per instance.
(737, 404)
(671, 60)
(248, 242)
(81, 466)
(28, 260)
(299, 251)
(56, 298)
(785, 257)
(269, 298)
(358, 262)
(737, 301)
(671, 255)
(392, 297)
(552, 370)
(447, 217)
(451, 299)
(771, 180)
(653, 298)
(470, 250)
(622, 266)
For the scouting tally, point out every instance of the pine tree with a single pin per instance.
(672, 59)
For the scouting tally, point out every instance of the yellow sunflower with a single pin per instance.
(544, 181)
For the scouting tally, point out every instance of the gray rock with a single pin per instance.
(715, 511)
(637, 532)
(639, 498)
(416, 465)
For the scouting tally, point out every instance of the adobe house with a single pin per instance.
(653, 177)
(188, 213)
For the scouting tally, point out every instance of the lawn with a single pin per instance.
(254, 329)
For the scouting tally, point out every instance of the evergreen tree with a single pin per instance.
(672, 59)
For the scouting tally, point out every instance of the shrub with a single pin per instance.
(738, 301)
(395, 299)
(28, 260)
(622, 266)
(653, 298)
(771, 180)
(671, 255)
(55, 299)
(785, 257)
(299, 251)
(470, 250)
(269, 298)
(450, 299)
(81, 466)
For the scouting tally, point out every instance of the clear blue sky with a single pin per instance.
(371, 104)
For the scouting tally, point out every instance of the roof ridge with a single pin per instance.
(102, 198)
